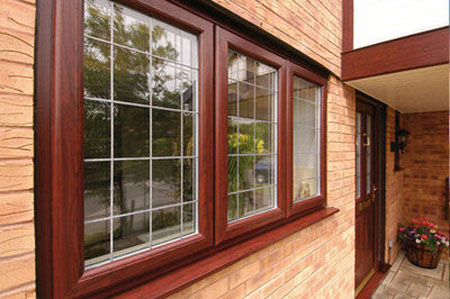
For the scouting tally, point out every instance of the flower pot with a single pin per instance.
(423, 257)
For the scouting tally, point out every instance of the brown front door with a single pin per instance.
(365, 193)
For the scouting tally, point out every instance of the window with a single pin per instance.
(252, 139)
(306, 141)
(151, 162)
(249, 101)
(306, 131)
(141, 117)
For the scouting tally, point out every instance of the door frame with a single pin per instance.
(380, 180)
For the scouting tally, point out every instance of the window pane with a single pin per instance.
(141, 131)
(358, 155)
(166, 187)
(97, 129)
(96, 242)
(97, 69)
(131, 233)
(189, 219)
(306, 139)
(131, 186)
(131, 75)
(166, 225)
(252, 142)
(97, 18)
(368, 154)
(131, 131)
(131, 28)
(166, 126)
(165, 84)
(96, 190)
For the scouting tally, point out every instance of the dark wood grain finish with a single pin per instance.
(59, 165)
(43, 135)
(414, 51)
(372, 285)
(365, 217)
(59, 142)
(347, 25)
(226, 40)
(304, 206)
(374, 215)
(446, 199)
(60, 153)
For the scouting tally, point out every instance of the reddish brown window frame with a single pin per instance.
(226, 40)
(303, 207)
(59, 161)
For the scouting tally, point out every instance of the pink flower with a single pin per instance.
(402, 229)
(438, 243)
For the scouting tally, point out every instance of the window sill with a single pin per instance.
(181, 278)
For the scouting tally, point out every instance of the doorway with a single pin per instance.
(369, 201)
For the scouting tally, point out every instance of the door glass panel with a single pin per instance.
(306, 143)
(358, 155)
(252, 137)
(368, 153)
(141, 132)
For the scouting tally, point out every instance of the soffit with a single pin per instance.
(419, 90)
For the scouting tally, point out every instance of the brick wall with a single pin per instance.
(318, 261)
(394, 191)
(426, 162)
(17, 264)
(313, 27)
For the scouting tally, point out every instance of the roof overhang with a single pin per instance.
(411, 73)
(406, 53)
(419, 90)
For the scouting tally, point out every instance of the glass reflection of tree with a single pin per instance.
(131, 84)
(249, 142)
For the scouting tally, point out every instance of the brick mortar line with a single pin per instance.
(321, 13)
(298, 19)
(286, 269)
(16, 224)
(22, 256)
(24, 160)
(31, 65)
(27, 3)
(340, 114)
(26, 287)
(282, 260)
(17, 191)
(333, 24)
(293, 38)
(337, 66)
(317, 22)
(12, 30)
(315, 273)
(20, 95)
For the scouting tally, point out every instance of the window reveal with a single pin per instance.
(141, 116)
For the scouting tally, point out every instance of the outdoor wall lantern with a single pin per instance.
(401, 140)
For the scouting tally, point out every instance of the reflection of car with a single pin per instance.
(262, 170)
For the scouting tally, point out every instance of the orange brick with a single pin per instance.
(16, 239)
(16, 175)
(16, 207)
(214, 290)
(20, 271)
(244, 274)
